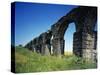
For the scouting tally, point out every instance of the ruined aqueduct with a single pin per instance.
(84, 39)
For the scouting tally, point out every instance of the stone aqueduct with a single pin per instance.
(84, 39)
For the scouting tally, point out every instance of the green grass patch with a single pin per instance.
(28, 61)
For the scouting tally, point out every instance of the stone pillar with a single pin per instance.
(49, 47)
(34, 49)
(62, 46)
(89, 47)
(58, 46)
(84, 45)
(77, 44)
(45, 48)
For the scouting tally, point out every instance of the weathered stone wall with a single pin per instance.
(84, 45)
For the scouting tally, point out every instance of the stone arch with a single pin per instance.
(84, 18)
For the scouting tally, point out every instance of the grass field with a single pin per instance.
(28, 61)
(68, 53)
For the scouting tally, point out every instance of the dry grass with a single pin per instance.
(68, 53)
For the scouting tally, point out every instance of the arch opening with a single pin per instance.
(95, 27)
(68, 37)
(51, 46)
